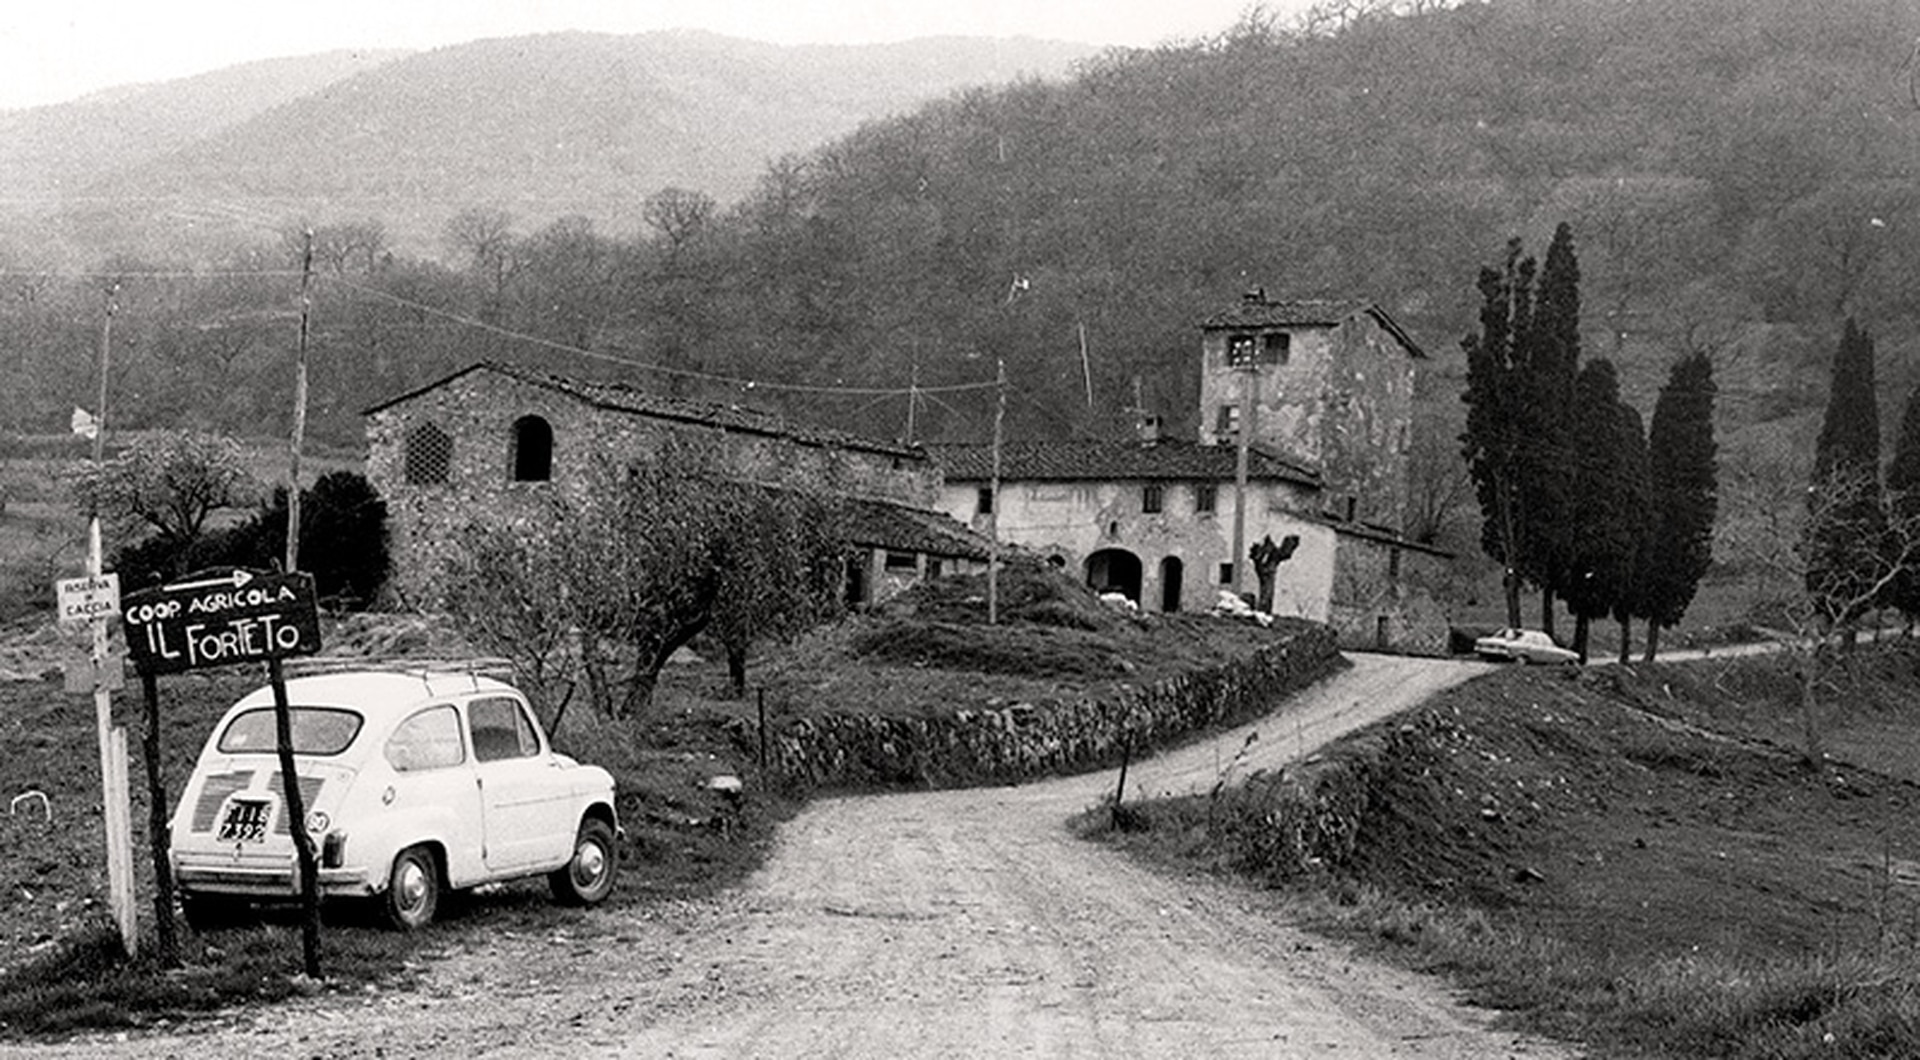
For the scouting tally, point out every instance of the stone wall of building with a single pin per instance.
(1289, 399)
(477, 413)
(1367, 435)
(1342, 403)
(1384, 597)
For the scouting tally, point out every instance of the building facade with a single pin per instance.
(1326, 390)
(491, 441)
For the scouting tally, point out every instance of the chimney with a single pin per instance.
(1255, 296)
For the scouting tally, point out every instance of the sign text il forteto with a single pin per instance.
(221, 619)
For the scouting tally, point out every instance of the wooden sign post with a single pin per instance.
(227, 617)
(88, 601)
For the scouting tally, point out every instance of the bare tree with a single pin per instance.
(1815, 619)
(484, 236)
(679, 216)
(169, 487)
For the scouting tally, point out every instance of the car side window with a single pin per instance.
(501, 729)
(428, 740)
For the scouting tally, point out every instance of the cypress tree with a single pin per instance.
(1683, 480)
(1606, 502)
(1844, 535)
(1638, 511)
(1903, 504)
(1495, 431)
(1552, 357)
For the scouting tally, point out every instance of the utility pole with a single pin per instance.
(1249, 406)
(116, 808)
(299, 408)
(993, 493)
(1086, 366)
(913, 398)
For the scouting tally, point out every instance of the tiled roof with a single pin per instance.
(880, 525)
(1113, 461)
(619, 397)
(1257, 311)
(1252, 312)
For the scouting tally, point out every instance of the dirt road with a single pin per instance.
(944, 924)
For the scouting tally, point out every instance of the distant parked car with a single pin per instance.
(1523, 645)
(414, 782)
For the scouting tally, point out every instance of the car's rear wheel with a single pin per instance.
(587, 877)
(413, 891)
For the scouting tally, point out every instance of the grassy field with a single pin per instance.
(1636, 858)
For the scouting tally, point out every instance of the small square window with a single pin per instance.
(1227, 423)
(1278, 347)
(1206, 496)
(1152, 499)
(1226, 574)
(429, 455)
(983, 501)
(1242, 351)
(1393, 562)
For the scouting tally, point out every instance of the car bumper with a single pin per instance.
(262, 877)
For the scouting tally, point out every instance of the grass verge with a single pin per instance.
(1585, 850)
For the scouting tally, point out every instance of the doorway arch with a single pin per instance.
(1114, 570)
(1172, 571)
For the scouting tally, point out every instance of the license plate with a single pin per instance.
(246, 821)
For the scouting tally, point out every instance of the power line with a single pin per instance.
(628, 362)
(145, 274)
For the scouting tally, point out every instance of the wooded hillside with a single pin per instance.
(1739, 174)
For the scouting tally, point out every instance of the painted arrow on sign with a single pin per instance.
(234, 580)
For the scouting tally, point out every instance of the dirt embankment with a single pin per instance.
(954, 923)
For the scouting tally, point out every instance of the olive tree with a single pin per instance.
(602, 585)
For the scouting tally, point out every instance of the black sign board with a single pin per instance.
(221, 618)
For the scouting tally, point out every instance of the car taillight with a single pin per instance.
(333, 851)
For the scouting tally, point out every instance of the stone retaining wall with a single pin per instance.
(1041, 737)
(1312, 817)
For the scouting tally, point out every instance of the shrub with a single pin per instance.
(343, 543)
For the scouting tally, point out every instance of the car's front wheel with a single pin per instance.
(587, 877)
(413, 891)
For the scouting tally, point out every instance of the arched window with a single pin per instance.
(429, 456)
(532, 450)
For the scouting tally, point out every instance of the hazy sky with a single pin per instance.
(53, 50)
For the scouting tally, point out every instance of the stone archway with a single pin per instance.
(1114, 570)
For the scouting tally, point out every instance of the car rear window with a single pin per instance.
(316, 731)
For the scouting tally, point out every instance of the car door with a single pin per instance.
(525, 808)
(433, 786)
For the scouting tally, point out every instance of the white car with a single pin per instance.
(1523, 645)
(415, 782)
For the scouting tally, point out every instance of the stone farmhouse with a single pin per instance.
(490, 440)
(1325, 389)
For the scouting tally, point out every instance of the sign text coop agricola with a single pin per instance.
(221, 619)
